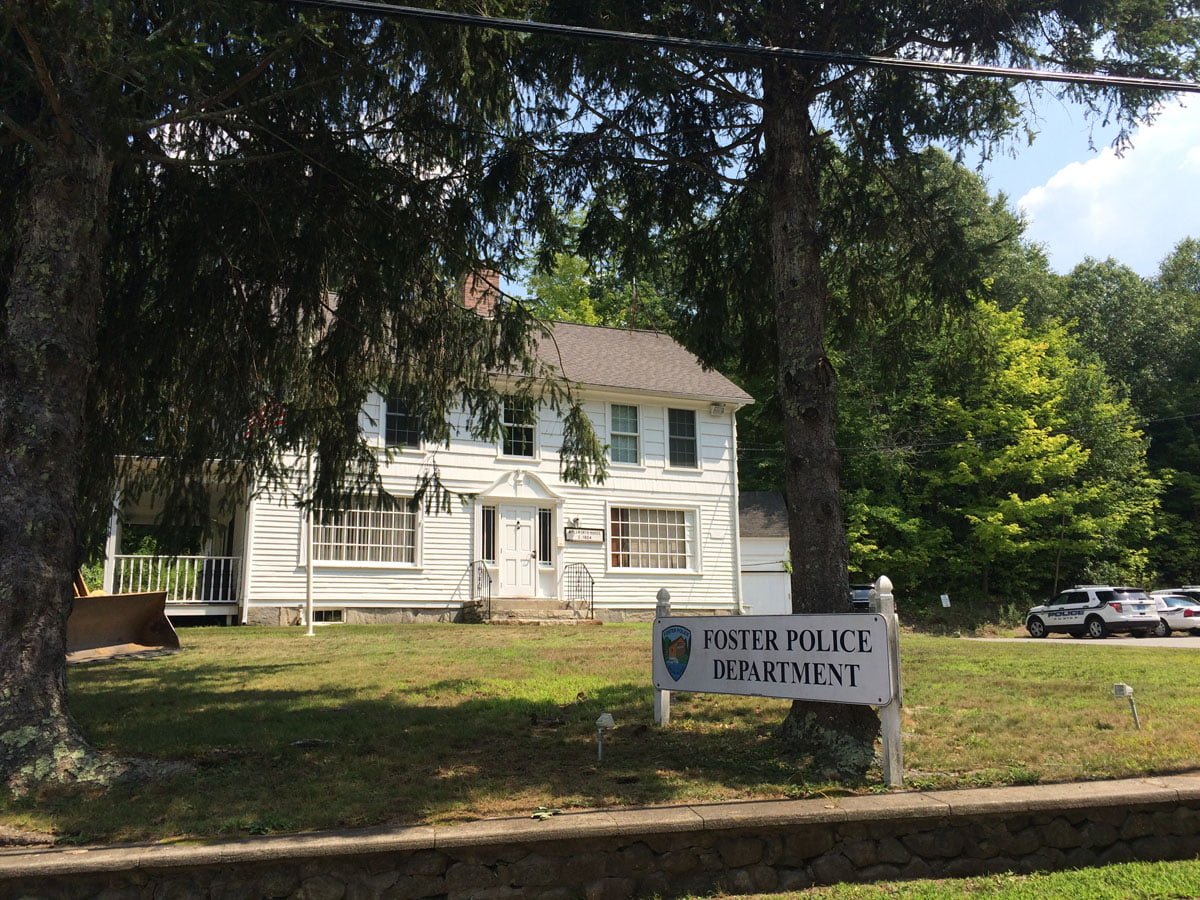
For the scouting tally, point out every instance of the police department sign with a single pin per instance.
(836, 658)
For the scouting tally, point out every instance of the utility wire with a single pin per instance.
(923, 448)
(749, 51)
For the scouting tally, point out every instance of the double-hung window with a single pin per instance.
(366, 532)
(681, 439)
(651, 538)
(399, 426)
(624, 434)
(519, 428)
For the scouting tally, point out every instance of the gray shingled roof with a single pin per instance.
(762, 514)
(634, 360)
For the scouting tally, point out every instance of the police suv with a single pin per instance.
(1094, 610)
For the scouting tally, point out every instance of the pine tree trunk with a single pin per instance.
(47, 357)
(839, 738)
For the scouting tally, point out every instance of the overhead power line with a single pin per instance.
(922, 448)
(724, 49)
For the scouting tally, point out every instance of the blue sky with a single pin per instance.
(1084, 200)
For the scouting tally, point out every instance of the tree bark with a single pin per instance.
(839, 738)
(47, 357)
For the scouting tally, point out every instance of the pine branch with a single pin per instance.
(163, 159)
(45, 81)
(188, 113)
(21, 132)
(662, 156)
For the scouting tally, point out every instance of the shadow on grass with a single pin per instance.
(285, 759)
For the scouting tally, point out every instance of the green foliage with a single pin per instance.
(93, 573)
(1147, 334)
(1173, 418)
(668, 159)
(575, 291)
(1005, 464)
(1006, 445)
(794, 207)
(296, 196)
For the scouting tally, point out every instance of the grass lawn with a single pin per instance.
(364, 725)
(1118, 882)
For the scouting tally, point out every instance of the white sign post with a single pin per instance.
(662, 699)
(883, 602)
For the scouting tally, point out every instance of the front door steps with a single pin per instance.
(528, 611)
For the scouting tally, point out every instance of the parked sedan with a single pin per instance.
(1176, 612)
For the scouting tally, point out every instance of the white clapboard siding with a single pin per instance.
(448, 541)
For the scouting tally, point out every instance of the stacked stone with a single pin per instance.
(736, 848)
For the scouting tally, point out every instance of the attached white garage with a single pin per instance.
(766, 583)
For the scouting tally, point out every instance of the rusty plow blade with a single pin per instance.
(104, 626)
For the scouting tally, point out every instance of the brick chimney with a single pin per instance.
(481, 291)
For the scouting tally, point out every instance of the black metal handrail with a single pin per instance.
(481, 587)
(578, 585)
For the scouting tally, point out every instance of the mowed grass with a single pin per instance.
(365, 725)
(1117, 882)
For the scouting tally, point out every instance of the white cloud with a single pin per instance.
(1134, 207)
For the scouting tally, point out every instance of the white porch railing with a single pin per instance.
(186, 579)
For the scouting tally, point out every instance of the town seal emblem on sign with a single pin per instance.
(676, 649)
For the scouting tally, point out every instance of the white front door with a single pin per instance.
(518, 562)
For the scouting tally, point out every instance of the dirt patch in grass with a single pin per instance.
(20, 837)
(369, 725)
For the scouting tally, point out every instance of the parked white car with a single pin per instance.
(1096, 611)
(1176, 612)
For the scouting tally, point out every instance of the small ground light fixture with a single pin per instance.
(603, 724)
(1123, 691)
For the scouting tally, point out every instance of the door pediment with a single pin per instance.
(519, 485)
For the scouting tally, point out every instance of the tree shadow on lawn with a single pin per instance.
(275, 760)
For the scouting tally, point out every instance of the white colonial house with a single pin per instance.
(665, 517)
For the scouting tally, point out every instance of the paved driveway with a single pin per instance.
(1176, 641)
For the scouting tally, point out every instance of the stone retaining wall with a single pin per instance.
(735, 847)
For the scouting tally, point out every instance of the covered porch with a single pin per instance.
(205, 577)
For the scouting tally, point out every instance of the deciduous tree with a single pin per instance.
(574, 290)
(1005, 462)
